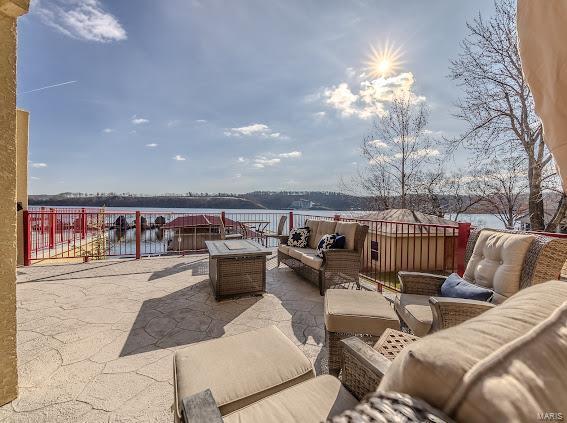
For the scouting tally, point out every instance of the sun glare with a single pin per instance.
(384, 61)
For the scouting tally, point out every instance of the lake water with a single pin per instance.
(479, 220)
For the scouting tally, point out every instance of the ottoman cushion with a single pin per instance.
(311, 401)
(364, 312)
(240, 369)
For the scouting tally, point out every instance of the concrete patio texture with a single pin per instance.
(96, 340)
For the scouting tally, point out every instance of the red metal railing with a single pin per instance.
(96, 234)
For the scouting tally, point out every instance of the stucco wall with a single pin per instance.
(22, 125)
(8, 361)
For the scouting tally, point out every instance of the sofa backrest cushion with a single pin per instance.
(312, 225)
(521, 380)
(325, 227)
(348, 229)
(496, 262)
(433, 367)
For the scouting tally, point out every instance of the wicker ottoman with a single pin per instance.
(364, 314)
(240, 369)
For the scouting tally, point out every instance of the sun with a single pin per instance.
(384, 61)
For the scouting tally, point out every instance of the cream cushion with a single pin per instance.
(283, 248)
(496, 262)
(325, 227)
(312, 260)
(520, 380)
(433, 367)
(240, 369)
(415, 312)
(348, 230)
(364, 312)
(311, 401)
(313, 225)
(297, 252)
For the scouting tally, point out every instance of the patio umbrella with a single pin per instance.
(542, 32)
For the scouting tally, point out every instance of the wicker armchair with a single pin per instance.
(419, 292)
(338, 268)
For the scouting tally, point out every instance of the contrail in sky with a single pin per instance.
(49, 86)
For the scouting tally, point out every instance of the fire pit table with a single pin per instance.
(237, 267)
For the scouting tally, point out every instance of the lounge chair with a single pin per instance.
(503, 261)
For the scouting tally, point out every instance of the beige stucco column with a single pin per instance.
(22, 135)
(9, 12)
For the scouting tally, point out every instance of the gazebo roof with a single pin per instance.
(405, 222)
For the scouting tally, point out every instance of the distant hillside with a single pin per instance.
(204, 202)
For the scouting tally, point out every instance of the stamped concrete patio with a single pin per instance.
(95, 340)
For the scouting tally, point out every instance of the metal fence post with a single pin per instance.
(223, 218)
(290, 220)
(337, 217)
(138, 235)
(83, 223)
(462, 240)
(52, 223)
(27, 238)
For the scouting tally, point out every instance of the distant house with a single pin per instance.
(302, 204)
(189, 233)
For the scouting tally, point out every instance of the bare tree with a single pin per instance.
(497, 103)
(501, 184)
(396, 152)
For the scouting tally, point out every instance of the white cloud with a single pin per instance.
(255, 129)
(35, 178)
(380, 159)
(172, 123)
(80, 19)
(350, 72)
(241, 160)
(378, 144)
(138, 121)
(261, 161)
(291, 155)
(201, 121)
(179, 158)
(152, 145)
(38, 165)
(371, 97)
(107, 130)
(319, 115)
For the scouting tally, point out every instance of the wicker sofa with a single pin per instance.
(338, 267)
(503, 261)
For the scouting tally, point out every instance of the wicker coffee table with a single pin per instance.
(237, 267)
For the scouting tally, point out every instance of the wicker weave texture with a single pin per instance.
(237, 275)
(335, 349)
(356, 377)
(387, 407)
(392, 342)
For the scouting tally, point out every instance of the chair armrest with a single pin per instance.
(201, 408)
(420, 283)
(448, 312)
(337, 254)
(362, 367)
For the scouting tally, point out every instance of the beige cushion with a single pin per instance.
(283, 248)
(312, 225)
(496, 262)
(415, 311)
(312, 401)
(312, 260)
(433, 367)
(348, 229)
(325, 227)
(240, 369)
(364, 312)
(297, 252)
(519, 380)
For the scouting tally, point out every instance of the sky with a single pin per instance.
(224, 96)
